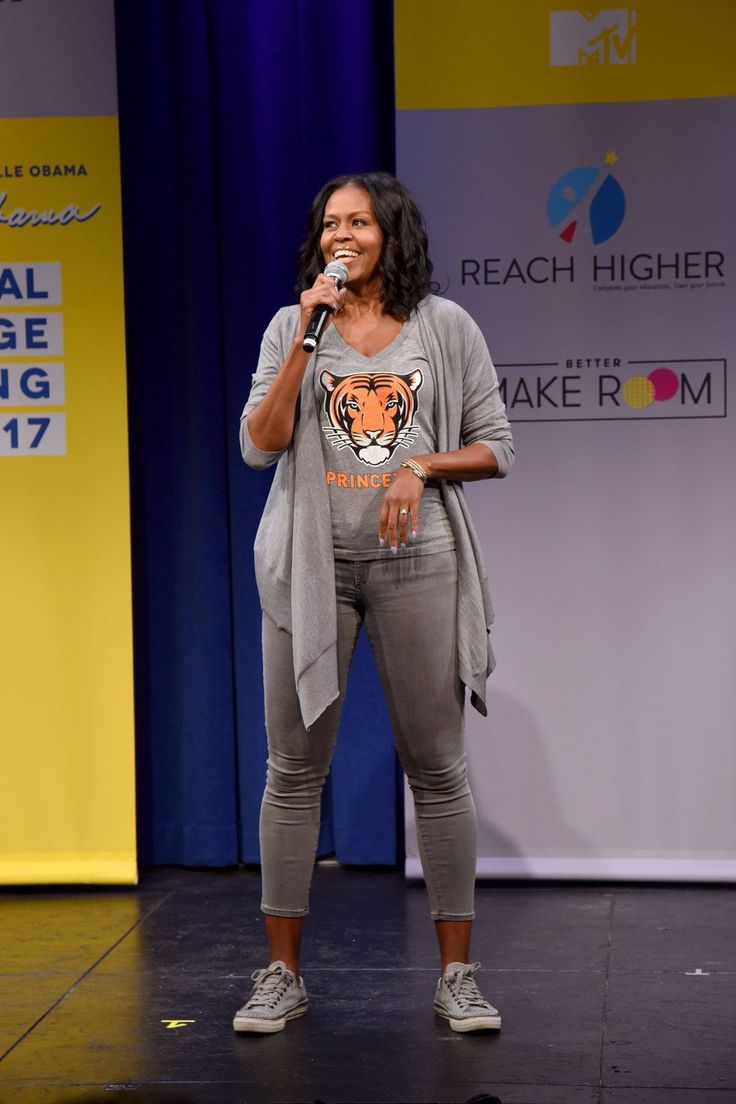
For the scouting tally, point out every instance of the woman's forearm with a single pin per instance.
(271, 423)
(472, 462)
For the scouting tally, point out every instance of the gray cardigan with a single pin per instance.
(293, 548)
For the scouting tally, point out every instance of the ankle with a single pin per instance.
(284, 940)
(290, 962)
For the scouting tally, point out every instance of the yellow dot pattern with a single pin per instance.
(638, 392)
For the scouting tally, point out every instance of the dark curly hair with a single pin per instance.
(405, 268)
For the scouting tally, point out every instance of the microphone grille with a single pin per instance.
(338, 271)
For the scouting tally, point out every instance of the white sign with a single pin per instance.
(31, 334)
(32, 285)
(32, 385)
(33, 434)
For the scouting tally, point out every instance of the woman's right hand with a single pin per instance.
(271, 423)
(323, 292)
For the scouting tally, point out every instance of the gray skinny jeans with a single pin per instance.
(409, 607)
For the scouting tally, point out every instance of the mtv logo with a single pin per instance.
(605, 37)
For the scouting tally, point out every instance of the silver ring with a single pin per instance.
(403, 511)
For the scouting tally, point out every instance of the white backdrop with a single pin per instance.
(609, 751)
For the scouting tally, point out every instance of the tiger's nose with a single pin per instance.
(372, 425)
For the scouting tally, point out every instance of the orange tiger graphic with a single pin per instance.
(371, 414)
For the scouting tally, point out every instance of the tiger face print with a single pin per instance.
(371, 414)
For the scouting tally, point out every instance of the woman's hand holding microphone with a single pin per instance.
(328, 291)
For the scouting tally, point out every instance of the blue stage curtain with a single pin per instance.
(232, 115)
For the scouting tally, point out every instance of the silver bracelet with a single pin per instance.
(414, 467)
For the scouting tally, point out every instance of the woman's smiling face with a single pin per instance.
(351, 234)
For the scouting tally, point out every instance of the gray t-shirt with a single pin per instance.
(374, 412)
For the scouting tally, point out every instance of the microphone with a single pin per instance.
(338, 272)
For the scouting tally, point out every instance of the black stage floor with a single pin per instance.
(611, 994)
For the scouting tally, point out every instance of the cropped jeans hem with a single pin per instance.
(453, 916)
(292, 914)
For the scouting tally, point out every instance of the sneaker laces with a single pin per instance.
(463, 987)
(271, 984)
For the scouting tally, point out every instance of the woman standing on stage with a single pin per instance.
(366, 523)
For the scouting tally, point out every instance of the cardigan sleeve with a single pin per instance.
(484, 419)
(274, 347)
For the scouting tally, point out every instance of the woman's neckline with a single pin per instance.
(387, 350)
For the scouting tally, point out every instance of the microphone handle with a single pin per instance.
(317, 323)
(315, 328)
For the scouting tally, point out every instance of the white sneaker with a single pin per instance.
(460, 1001)
(278, 995)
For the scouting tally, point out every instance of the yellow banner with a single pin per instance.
(67, 792)
(489, 53)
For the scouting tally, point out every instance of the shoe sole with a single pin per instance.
(472, 1023)
(268, 1027)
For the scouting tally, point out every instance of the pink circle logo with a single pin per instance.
(660, 385)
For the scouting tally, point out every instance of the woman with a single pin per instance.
(366, 524)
